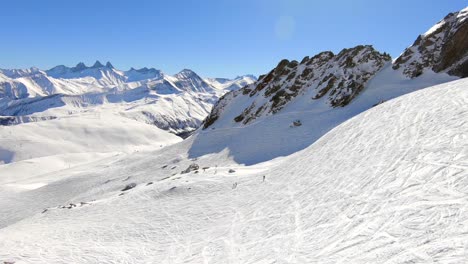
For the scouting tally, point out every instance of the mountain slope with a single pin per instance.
(306, 99)
(78, 134)
(388, 185)
(339, 77)
(443, 48)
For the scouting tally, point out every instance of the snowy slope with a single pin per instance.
(30, 150)
(387, 186)
(78, 134)
(176, 112)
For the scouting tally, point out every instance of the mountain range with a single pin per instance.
(175, 103)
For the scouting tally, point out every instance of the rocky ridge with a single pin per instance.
(340, 78)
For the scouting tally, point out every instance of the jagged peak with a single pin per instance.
(338, 78)
(97, 64)
(79, 67)
(356, 48)
(443, 48)
(145, 70)
(186, 73)
(109, 65)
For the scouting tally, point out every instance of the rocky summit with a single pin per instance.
(444, 48)
(338, 77)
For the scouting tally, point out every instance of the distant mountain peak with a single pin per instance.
(186, 73)
(98, 64)
(79, 67)
(109, 65)
(251, 76)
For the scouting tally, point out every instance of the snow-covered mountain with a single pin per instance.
(389, 185)
(231, 84)
(298, 102)
(176, 103)
(443, 48)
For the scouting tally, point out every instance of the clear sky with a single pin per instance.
(217, 38)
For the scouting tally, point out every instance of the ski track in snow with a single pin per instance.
(387, 186)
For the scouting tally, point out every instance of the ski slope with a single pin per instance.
(36, 148)
(387, 186)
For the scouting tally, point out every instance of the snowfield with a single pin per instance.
(390, 185)
(82, 133)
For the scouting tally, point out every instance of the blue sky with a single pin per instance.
(218, 38)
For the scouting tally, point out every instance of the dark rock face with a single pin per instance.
(338, 78)
(444, 48)
(218, 108)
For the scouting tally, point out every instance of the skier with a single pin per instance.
(264, 177)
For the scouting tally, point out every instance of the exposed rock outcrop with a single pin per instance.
(338, 78)
(334, 80)
(444, 48)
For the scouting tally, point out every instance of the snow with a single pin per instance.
(388, 185)
(460, 17)
(34, 153)
(231, 85)
(434, 28)
(92, 133)
(463, 14)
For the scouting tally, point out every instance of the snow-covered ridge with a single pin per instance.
(443, 48)
(231, 84)
(339, 78)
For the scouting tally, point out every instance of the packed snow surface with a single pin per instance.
(387, 186)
